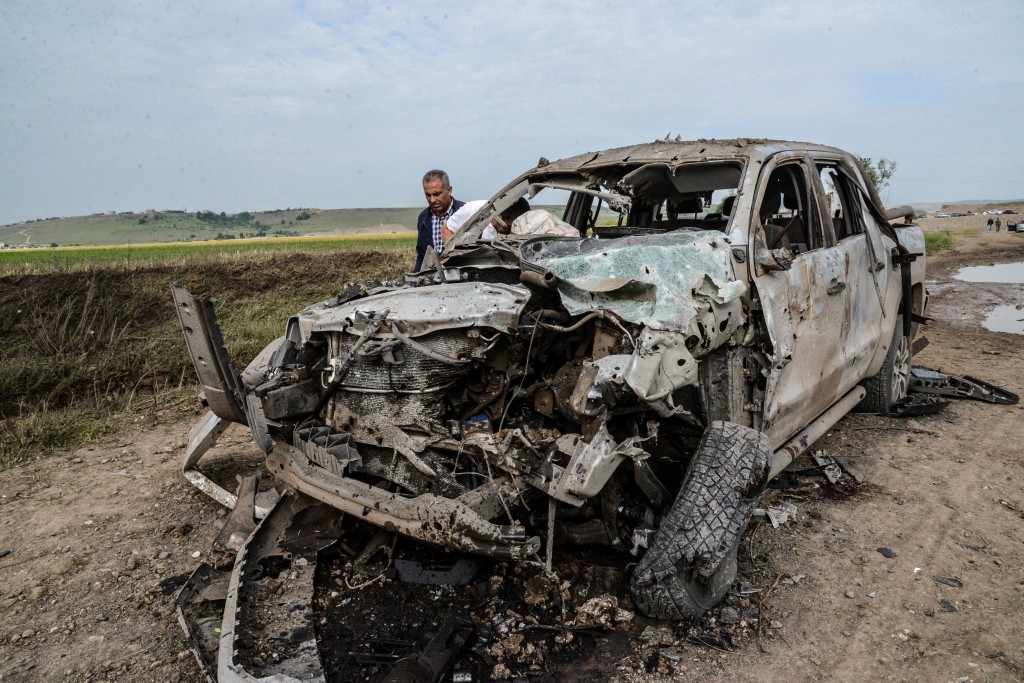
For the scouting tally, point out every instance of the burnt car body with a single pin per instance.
(636, 388)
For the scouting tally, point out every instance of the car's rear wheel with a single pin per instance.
(892, 382)
(692, 560)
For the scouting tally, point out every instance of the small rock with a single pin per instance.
(776, 623)
(851, 594)
(102, 617)
(15, 638)
(163, 555)
(873, 594)
(814, 514)
(27, 633)
(87, 522)
(132, 563)
(729, 615)
(196, 555)
(887, 552)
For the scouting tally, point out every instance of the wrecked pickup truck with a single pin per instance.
(635, 388)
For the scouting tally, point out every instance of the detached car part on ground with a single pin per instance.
(635, 389)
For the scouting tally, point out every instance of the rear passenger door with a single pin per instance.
(866, 255)
(805, 306)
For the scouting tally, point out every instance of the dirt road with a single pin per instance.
(97, 535)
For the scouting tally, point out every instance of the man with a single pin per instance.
(440, 206)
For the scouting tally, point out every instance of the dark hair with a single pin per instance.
(437, 174)
(516, 210)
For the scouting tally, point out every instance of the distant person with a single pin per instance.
(999, 224)
(437, 188)
(990, 225)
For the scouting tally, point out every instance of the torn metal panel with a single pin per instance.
(222, 383)
(276, 616)
(201, 439)
(442, 521)
(927, 381)
(591, 465)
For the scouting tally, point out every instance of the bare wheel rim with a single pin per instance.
(901, 370)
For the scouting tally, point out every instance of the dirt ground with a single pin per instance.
(92, 540)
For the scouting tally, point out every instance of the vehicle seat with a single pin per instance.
(727, 205)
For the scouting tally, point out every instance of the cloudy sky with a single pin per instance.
(231, 105)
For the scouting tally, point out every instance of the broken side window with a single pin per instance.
(844, 201)
(787, 213)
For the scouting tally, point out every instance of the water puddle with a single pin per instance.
(1006, 318)
(1012, 273)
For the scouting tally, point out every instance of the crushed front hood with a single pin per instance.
(422, 310)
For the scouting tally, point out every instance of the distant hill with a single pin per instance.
(179, 226)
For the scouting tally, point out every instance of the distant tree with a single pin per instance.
(304, 216)
(53, 244)
(879, 172)
(283, 221)
(142, 221)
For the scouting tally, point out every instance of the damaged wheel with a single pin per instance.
(692, 561)
(892, 382)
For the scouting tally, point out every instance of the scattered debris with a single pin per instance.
(946, 581)
(887, 552)
(852, 466)
(777, 514)
(915, 404)
(927, 381)
(828, 465)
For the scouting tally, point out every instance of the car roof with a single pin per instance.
(682, 151)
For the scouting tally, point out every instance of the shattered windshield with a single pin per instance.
(618, 201)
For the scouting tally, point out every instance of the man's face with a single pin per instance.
(438, 196)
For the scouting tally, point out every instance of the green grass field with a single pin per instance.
(15, 261)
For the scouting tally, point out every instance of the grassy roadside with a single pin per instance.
(938, 241)
(28, 261)
(85, 347)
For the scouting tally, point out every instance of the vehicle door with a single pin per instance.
(803, 302)
(869, 275)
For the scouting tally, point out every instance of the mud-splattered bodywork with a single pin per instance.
(552, 390)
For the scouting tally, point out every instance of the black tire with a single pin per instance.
(893, 379)
(692, 560)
